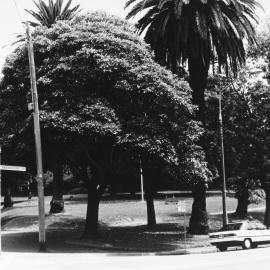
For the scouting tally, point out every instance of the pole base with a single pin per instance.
(42, 247)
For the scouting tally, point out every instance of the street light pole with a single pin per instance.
(141, 174)
(0, 202)
(225, 216)
(41, 206)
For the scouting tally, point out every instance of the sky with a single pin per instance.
(12, 13)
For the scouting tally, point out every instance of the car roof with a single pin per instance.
(237, 222)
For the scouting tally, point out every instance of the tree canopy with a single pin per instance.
(99, 86)
(245, 112)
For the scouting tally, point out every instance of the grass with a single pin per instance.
(122, 225)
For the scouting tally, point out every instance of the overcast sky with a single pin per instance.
(10, 17)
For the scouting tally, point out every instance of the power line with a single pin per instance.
(143, 5)
(18, 12)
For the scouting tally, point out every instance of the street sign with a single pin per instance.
(12, 168)
(181, 206)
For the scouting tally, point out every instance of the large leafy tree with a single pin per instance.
(192, 33)
(103, 98)
(48, 13)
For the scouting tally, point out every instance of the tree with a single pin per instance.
(48, 14)
(196, 32)
(103, 98)
(193, 31)
(241, 138)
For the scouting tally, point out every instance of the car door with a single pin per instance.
(253, 232)
(263, 232)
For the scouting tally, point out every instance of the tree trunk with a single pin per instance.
(242, 204)
(267, 209)
(198, 223)
(91, 224)
(57, 202)
(149, 197)
(7, 198)
(198, 72)
(151, 215)
(95, 188)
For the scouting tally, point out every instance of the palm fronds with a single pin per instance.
(188, 28)
(48, 13)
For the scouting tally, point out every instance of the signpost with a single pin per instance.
(181, 208)
(6, 168)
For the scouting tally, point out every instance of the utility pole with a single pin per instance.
(0, 202)
(225, 216)
(41, 206)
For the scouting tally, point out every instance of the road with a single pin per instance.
(234, 260)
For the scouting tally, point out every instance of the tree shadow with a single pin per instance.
(61, 232)
(163, 237)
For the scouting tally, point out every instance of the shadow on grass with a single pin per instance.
(60, 234)
(28, 242)
(163, 237)
(14, 202)
(17, 237)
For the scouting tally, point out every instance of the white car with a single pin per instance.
(248, 234)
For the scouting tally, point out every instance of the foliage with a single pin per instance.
(101, 95)
(263, 41)
(245, 119)
(179, 30)
(48, 14)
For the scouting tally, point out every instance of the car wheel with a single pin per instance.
(222, 248)
(247, 244)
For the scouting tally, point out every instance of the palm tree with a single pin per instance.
(196, 32)
(48, 14)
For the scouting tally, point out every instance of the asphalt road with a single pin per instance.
(258, 259)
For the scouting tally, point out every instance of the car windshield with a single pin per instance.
(232, 227)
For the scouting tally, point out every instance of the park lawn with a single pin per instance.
(122, 225)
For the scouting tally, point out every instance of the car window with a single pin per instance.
(232, 227)
(252, 225)
(260, 226)
(255, 225)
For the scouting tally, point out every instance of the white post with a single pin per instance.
(141, 173)
(181, 208)
(185, 228)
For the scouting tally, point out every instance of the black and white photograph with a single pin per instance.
(135, 134)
